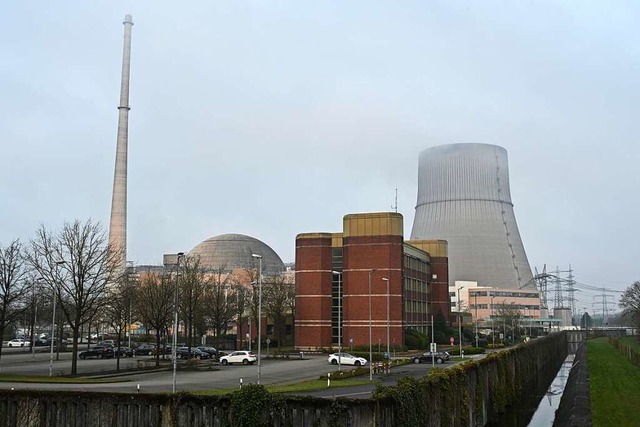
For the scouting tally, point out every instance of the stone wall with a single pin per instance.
(470, 394)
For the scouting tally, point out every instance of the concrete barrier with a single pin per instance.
(470, 394)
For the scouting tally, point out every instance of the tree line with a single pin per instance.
(74, 273)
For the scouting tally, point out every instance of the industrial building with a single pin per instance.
(464, 198)
(366, 284)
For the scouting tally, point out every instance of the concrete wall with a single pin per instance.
(470, 394)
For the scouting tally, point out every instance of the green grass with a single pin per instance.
(631, 342)
(614, 386)
(300, 387)
(57, 380)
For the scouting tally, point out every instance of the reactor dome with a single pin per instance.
(234, 251)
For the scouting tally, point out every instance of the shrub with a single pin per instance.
(415, 339)
(467, 351)
(347, 372)
(254, 406)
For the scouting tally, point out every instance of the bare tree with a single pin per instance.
(118, 308)
(219, 301)
(242, 297)
(78, 264)
(630, 303)
(193, 280)
(252, 297)
(291, 309)
(154, 304)
(277, 296)
(14, 285)
(510, 316)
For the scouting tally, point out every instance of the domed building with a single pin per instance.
(229, 252)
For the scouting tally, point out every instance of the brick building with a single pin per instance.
(367, 268)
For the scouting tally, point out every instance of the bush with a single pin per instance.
(347, 372)
(442, 337)
(254, 406)
(415, 339)
(467, 351)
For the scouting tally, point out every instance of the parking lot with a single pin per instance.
(210, 374)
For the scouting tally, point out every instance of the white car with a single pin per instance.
(18, 342)
(244, 357)
(346, 359)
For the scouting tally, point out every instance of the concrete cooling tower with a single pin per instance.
(464, 198)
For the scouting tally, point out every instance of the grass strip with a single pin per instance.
(632, 342)
(57, 380)
(303, 386)
(614, 386)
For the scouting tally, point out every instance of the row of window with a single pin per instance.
(473, 294)
(520, 307)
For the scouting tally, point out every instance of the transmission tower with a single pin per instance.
(571, 291)
(604, 304)
(559, 300)
(541, 285)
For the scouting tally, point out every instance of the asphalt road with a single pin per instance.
(280, 371)
(273, 371)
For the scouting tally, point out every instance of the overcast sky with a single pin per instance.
(273, 118)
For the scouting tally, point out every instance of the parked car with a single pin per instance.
(112, 343)
(183, 353)
(346, 359)
(17, 342)
(98, 351)
(244, 357)
(63, 343)
(145, 349)
(428, 357)
(211, 350)
(166, 349)
(123, 351)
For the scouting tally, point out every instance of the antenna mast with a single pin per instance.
(395, 204)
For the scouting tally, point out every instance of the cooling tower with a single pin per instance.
(464, 198)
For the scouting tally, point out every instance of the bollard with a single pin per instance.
(240, 382)
(329, 379)
(138, 388)
(462, 352)
(301, 355)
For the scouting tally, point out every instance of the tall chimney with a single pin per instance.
(118, 222)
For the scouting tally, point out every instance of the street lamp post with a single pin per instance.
(476, 319)
(388, 321)
(493, 334)
(504, 323)
(35, 319)
(370, 335)
(339, 274)
(129, 324)
(460, 322)
(175, 322)
(53, 329)
(259, 313)
(53, 321)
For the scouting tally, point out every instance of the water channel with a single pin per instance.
(538, 407)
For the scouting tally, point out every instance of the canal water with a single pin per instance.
(538, 407)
